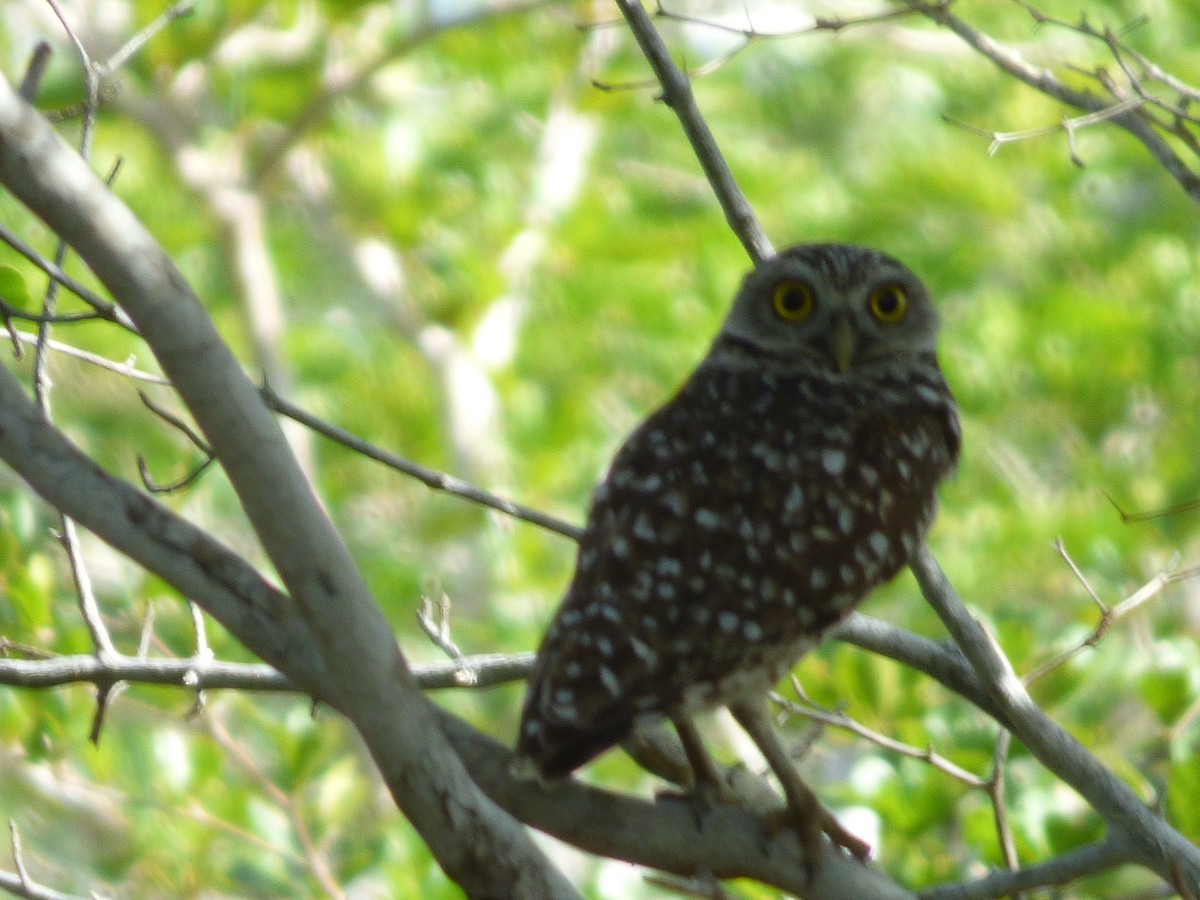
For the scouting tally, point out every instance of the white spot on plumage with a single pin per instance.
(794, 499)
(668, 567)
(879, 542)
(728, 621)
(610, 681)
(752, 630)
(833, 461)
(643, 529)
(643, 651)
(706, 518)
(675, 501)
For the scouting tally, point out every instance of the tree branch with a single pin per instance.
(362, 672)
(211, 674)
(677, 94)
(1133, 119)
(1151, 842)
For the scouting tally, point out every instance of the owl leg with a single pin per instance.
(805, 811)
(706, 775)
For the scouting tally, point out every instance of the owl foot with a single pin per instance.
(812, 824)
(804, 812)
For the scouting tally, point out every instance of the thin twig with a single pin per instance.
(31, 82)
(148, 481)
(677, 94)
(127, 369)
(1135, 833)
(176, 10)
(838, 719)
(996, 791)
(55, 671)
(1134, 120)
(324, 100)
(438, 631)
(1068, 125)
(1108, 615)
(1173, 510)
(431, 478)
(104, 309)
(20, 884)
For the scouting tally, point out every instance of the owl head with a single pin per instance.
(846, 307)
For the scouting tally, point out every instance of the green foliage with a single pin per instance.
(1072, 318)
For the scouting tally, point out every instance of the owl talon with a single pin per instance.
(811, 829)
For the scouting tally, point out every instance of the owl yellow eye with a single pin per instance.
(889, 303)
(793, 300)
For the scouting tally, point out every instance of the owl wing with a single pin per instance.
(633, 634)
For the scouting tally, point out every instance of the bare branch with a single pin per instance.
(1172, 510)
(839, 719)
(677, 94)
(212, 674)
(1133, 829)
(127, 369)
(20, 884)
(1135, 120)
(176, 10)
(365, 676)
(995, 788)
(319, 106)
(438, 630)
(1108, 616)
(31, 83)
(104, 309)
(1089, 860)
(431, 478)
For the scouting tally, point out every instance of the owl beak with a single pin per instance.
(841, 345)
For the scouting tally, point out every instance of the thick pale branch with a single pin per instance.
(365, 676)
(1150, 840)
(729, 841)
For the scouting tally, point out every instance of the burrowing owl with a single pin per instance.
(791, 474)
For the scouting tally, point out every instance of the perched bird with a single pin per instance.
(792, 473)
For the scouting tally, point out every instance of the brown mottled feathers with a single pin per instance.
(753, 510)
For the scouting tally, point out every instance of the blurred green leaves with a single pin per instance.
(1072, 324)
